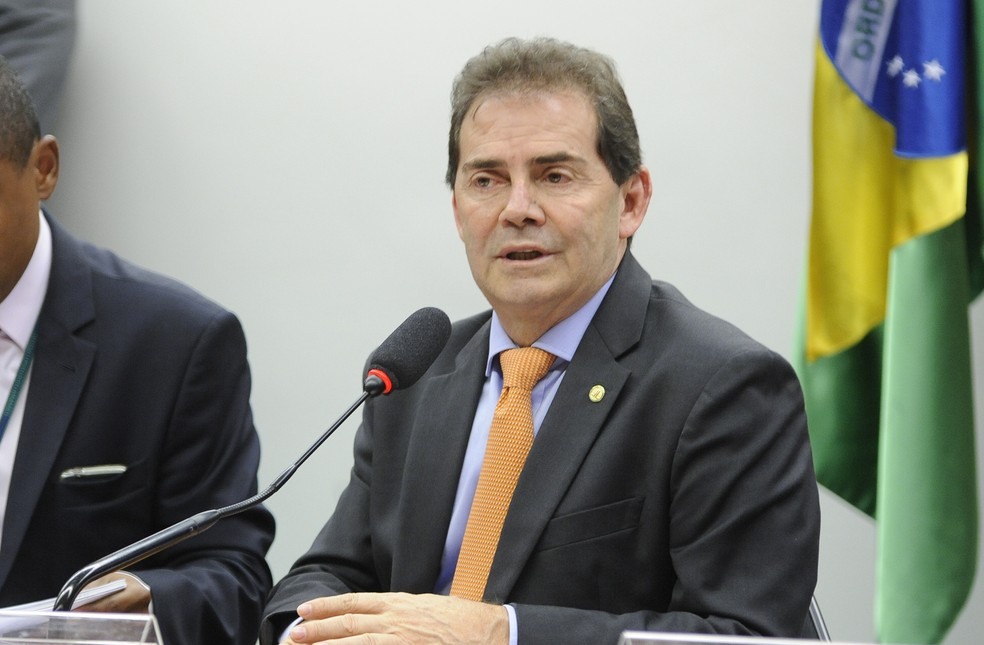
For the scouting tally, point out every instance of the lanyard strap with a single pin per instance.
(8, 410)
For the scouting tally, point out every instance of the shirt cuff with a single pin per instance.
(284, 634)
(513, 629)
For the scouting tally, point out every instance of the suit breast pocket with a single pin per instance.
(96, 486)
(590, 524)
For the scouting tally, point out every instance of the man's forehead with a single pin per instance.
(548, 126)
(528, 97)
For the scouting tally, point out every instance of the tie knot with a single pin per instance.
(522, 367)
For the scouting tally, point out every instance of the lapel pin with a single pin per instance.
(597, 393)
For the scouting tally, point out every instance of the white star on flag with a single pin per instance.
(895, 66)
(911, 78)
(933, 70)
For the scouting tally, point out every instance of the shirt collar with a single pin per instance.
(20, 309)
(561, 340)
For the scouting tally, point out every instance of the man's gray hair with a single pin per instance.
(547, 65)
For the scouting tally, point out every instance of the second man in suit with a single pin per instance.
(127, 410)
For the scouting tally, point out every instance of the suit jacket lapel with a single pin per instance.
(435, 455)
(572, 423)
(58, 375)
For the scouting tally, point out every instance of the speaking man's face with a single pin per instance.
(543, 222)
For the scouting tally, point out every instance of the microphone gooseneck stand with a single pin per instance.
(150, 545)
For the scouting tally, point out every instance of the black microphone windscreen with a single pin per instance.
(411, 349)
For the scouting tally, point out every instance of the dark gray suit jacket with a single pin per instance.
(136, 370)
(684, 500)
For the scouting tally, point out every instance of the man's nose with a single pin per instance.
(522, 208)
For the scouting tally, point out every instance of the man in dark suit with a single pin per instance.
(128, 410)
(669, 485)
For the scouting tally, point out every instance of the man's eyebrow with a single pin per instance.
(557, 157)
(482, 164)
(542, 160)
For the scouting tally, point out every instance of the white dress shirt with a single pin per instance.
(18, 314)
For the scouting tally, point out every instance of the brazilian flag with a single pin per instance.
(895, 257)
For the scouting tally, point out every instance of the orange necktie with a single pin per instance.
(510, 439)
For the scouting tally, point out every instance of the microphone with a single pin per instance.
(397, 363)
(408, 352)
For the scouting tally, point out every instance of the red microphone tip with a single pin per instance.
(384, 377)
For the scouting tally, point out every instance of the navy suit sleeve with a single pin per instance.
(210, 588)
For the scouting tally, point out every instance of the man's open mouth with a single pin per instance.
(523, 255)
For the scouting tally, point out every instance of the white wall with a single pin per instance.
(286, 158)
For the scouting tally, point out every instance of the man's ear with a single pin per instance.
(636, 193)
(45, 163)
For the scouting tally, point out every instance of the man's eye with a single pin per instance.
(556, 177)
